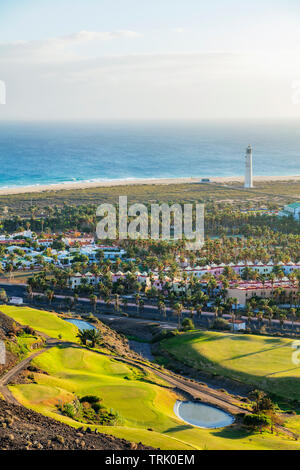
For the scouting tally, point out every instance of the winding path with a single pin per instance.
(22, 365)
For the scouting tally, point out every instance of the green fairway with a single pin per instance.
(145, 409)
(257, 360)
(43, 321)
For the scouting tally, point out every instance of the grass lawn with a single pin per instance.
(257, 360)
(43, 321)
(145, 409)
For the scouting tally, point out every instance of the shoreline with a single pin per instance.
(5, 191)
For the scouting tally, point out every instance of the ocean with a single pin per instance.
(49, 153)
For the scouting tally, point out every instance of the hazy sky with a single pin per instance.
(150, 59)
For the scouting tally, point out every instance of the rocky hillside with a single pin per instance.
(23, 429)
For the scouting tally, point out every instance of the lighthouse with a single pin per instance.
(249, 172)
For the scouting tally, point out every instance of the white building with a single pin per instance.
(259, 267)
(291, 210)
(109, 252)
(238, 325)
(249, 171)
(25, 234)
(16, 300)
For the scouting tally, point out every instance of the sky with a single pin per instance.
(141, 59)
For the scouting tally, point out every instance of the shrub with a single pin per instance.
(188, 324)
(96, 407)
(29, 331)
(3, 295)
(90, 399)
(68, 410)
(257, 420)
(221, 324)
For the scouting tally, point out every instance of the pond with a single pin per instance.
(81, 325)
(201, 415)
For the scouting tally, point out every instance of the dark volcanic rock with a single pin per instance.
(23, 429)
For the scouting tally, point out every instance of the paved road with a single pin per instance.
(6, 378)
(148, 312)
(22, 365)
(131, 307)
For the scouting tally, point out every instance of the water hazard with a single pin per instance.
(201, 415)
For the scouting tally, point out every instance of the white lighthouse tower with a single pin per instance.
(249, 171)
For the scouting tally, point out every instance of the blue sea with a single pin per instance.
(49, 153)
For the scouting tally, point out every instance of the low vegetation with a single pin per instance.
(90, 410)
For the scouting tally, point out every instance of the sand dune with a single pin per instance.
(97, 184)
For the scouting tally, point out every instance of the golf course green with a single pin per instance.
(143, 404)
(260, 361)
(145, 409)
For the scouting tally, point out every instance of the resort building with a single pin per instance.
(79, 279)
(238, 325)
(246, 291)
(291, 210)
(16, 300)
(258, 267)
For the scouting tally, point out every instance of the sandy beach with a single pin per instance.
(127, 182)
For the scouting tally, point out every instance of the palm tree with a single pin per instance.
(293, 312)
(93, 300)
(161, 307)
(199, 310)
(282, 319)
(235, 302)
(270, 315)
(260, 316)
(83, 336)
(117, 303)
(218, 303)
(125, 304)
(94, 336)
(233, 321)
(50, 295)
(178, 307)
(249, 313)
(9, 268)
(29, 291)
(107, 300)
(137, 302)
